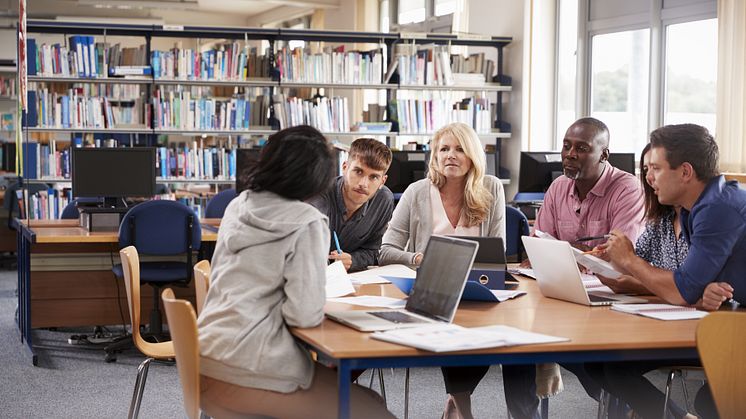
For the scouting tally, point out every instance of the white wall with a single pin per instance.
(506, 18)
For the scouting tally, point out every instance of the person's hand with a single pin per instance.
(525, 264)
(418, 259)
(618, 248)
(715, 294)
(346, 258)
(625, 284)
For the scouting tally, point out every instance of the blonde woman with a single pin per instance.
(457, 198)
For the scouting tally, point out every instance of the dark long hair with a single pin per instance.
(654, 210)
(296, 163)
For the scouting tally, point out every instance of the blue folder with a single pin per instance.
(473, 291)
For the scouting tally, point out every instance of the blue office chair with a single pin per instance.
(516, 225)
(216, 206)
(71, 211)
(159, 228)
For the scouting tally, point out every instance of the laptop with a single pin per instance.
(558, 275)
(435, 295)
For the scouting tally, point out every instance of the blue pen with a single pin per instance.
(336, 242)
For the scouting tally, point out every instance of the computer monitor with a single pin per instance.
(113, 173)
(540, 168)
(623, 161)
(406, 167)
(246, 159)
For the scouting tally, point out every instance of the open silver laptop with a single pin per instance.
(558, 275)
(435, 295)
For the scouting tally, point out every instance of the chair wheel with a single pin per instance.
(109, 358)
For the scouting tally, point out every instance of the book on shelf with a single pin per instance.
(229, 61)
(331, 65)
(661, 311)
(427, 115)
(130, 70)
(181, 110)
(323, 113)
(75, 109)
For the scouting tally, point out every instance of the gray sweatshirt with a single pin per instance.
(268, 273)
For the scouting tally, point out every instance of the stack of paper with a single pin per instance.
(451, 337)
(661, 311)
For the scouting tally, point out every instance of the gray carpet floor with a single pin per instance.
(73, 381)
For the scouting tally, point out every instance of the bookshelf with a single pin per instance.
(182, 74)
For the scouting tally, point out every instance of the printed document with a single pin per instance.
(337, 281)
(377, 275)
(661, 311)
(451, 337)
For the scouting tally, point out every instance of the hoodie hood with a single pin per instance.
(264, 218)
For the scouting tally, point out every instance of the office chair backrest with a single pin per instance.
(161, 227)
(182, 323)
(201, 283)
(71, 211)
(516, 225)
(721, 341)
(216, 206)
(131, 269)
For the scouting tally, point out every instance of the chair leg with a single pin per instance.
(684, 389)
(382, 385)
(406, 393)
(671, 375)
(142, 376)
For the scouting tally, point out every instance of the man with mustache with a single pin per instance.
(591, 199)
(359, 205)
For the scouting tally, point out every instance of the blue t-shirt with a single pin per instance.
(716, 231)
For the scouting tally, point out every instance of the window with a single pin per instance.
(445, 7)
(411, 11)
(567, 48)
(619, 86)
(691, 73)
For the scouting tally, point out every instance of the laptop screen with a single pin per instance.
(441, 277)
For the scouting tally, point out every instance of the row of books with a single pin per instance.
(81, 57)
(75, 110)
(330, 66)
(323, 113)
(426, 116)
(227, 62)
(7, 86)
(197, 163)
(429, 65)
(179, 110)
(115, 92)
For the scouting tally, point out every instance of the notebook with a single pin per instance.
(661, 311)
(435, 295)
(558, 276)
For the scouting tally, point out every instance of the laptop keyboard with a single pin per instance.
(396, 316)
(598, 299)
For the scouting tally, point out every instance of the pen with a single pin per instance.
(593, 252)
(336, 243)
(590, 238)
(733, 303)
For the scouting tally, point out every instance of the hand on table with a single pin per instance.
(716, 293)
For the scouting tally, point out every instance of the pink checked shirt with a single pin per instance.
(615, 202)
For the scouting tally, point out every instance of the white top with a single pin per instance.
(441, 224)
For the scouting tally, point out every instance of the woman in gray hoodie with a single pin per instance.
(269, 271)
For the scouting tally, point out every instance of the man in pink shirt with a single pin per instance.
(593, 197)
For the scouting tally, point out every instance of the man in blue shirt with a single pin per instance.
(684, 168)
(359, 205)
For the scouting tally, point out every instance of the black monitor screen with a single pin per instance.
(246, 159)
(623, 161)
(113, 172)
(538, 170)
(406, 167)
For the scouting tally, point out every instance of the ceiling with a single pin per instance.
(186, 12)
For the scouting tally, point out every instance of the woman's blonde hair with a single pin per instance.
(477, 199)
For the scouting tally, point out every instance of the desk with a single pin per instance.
(65, 277)
(596, 333)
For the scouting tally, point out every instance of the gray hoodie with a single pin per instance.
(268, 273)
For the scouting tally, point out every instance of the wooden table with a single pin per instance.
(65, 277)
(596, 333)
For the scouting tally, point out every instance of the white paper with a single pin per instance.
(372, 301)
(661, 311)
(593, 284)
(596, 265)
(376, 275)
(503, 295)
(337, 281)
(523, 271)
(451, 337)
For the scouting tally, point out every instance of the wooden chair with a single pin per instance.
(201, 283)
(182, 324)
(161, 350)
(721, 341)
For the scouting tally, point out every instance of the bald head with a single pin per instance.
(595, 128)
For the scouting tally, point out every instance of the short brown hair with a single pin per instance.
(688, 143)
(371, 153)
